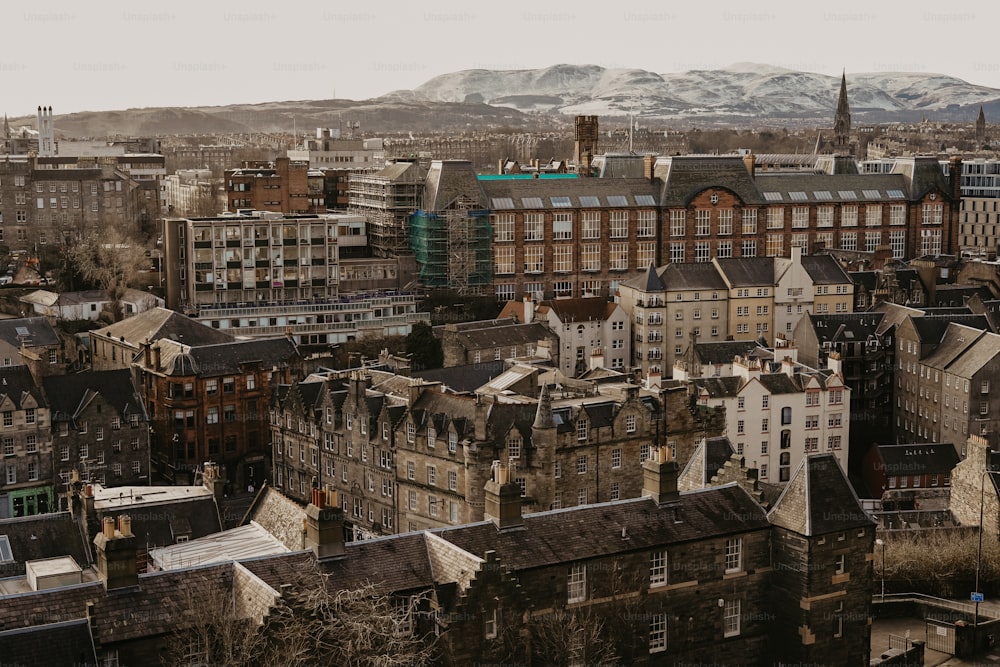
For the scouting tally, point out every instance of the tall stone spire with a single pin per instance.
(6, 126)
(980, 128)
(543, 414)
(842, 119)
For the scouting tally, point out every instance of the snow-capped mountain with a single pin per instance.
(743, 89)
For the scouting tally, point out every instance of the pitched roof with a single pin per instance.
(223, 358)
(467, 377)
(34, 331)
(649, 281)
(819, 500)
(160, 514)
(747, 271)
(43, 536)
(569, 193)
(17, 384)
(685, 176)
(503, 336)
(722, 352)
(449, 180)
(593, 531)
(581, 309)
(832, 188)
(844, 326)
(825, 270)
(63, 643)
(917, 459)
(157, 323)
(709, 455)
(692, 275)
(68, 393)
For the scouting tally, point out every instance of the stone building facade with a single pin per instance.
(407, 455)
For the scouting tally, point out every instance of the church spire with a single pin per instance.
(980, 128)
(842, 119)
(6, 127)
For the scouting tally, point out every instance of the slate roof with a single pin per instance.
(581, 309)
(467, 377)
(779, 383)
(747, 271)
(16, 383)
(719, 387)
(917, 459)
(159, 523)
(158, 323)
(709, 455)
(722, 352)
(538, 193)
(162, 603)
(924, 174)
(40, 332)
(68, 394)
(976, 356)
(448, 180)
(65, 644)
(693, 275)
(66, 603)
(834, 187)
(819, 500)
(825, 270)
(502, 336)
(595, 531)
(224, 358)
(647, 282)
(684, 177)
(844, 326)
(397, 563)
(43, 536)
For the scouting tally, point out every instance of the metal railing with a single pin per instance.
(944, 603)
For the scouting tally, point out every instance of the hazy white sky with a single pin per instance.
(78, 55)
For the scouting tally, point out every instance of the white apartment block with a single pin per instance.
(777, 412)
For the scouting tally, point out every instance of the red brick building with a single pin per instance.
(281, 186)
(210, 403)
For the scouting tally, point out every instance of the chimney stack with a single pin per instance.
(325, 525)
(116, 554)
(211, 478)
(482, 416)
(659, 477)
(750, 161)
(503, 499)
(648, 163)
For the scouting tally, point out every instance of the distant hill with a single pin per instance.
(744, 89)
(481, 99)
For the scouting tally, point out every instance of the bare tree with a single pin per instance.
(110, 259)
(314, 622)
(579, 637)
(318, 623)
(216, 634)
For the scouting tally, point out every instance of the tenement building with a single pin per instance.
(405, 455)
(778, 412)
(700, 576)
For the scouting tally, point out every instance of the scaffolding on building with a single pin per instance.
(452, 247)
(387, 199)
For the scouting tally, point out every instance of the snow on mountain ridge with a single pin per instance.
(739, 88)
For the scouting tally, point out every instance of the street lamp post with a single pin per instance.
(879, 541)
(977, 595)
